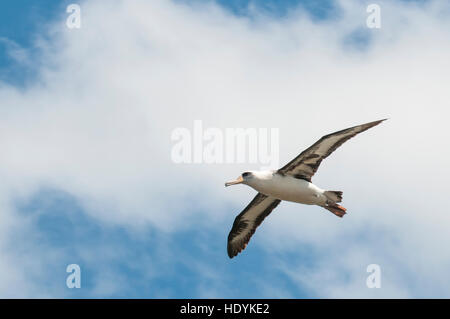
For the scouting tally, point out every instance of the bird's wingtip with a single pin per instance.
(378, 121)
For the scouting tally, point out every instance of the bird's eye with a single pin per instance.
(246, 174)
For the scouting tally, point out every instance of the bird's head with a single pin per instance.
(242, 179)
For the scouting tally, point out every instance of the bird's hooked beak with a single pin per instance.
(237, 181)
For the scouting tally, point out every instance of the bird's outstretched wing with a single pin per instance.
(306, 164)
(245, 224)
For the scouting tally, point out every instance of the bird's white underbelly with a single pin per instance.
(290, 189)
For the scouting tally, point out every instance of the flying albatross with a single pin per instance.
(292, 183)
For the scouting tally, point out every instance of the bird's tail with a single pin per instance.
(336, 209)
(334, 196)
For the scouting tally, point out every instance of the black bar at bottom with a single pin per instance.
(224, 308)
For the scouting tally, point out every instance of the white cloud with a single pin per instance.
(98, 123)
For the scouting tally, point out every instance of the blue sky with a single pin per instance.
(61, 226)
(86, 181)
(21, 21)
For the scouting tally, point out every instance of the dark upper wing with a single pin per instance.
(245, 224)
(306, 164)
